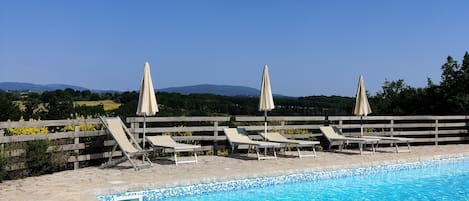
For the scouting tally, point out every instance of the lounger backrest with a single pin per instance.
(233, 136)
(329, 132)
(114, 125)
(274, 136)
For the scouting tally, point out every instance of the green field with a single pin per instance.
(107, 104)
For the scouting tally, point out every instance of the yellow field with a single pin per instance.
(107, 104)
(40, 108)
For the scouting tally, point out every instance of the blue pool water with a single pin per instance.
(446, 179)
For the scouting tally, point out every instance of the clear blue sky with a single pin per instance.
(312, 47)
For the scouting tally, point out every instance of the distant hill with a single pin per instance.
(23, 86)
(224, 90)
(213, 89)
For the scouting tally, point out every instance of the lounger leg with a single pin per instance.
(298, 149)
(257, 152)
(177, 162)
(114, 162)
(314, 151)
(373, 147)
(408, 148)
(148, 160)
(299, 153)
(249, 149)
(110, 162)
(133, 164)
(275, 153)
(112, 153)
(144, 166)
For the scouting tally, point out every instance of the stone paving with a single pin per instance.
(87, 183)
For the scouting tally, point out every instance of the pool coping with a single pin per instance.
(93, 195)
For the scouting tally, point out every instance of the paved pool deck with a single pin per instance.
(87, 183)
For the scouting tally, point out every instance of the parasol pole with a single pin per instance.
(361, 126)
(144, 127)
(265, 125)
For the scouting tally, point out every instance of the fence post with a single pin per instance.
(436, 132)
(76, 147)
(133, 127)
(215, 141)
(282, 124)
(392, 128)
(341, 121)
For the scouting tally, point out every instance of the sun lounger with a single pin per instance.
(235, 138)
(277, 137)
(334, 138)
(166, 142)
(126, 142)
(395, 141)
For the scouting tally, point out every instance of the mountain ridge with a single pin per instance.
(225, 90)
(26, 86)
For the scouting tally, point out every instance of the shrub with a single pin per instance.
(319, 148)
(27, 130)
(38, 160)
(3, 166)
(83, 127)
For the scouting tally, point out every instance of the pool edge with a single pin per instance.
(93, 195)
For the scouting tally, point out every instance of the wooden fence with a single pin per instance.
(424, 129)
(82, 145)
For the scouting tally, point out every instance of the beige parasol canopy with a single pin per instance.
(147, 105)
(362, 107)
(266, 100)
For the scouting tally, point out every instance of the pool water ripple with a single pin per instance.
(426, 180)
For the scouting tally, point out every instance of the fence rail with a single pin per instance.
(80, 145)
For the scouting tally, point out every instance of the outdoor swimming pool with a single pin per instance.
(445, 179)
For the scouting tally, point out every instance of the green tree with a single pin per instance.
(8, 109)
(455, 84)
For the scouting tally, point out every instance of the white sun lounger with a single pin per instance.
(235, 139)
(165, 141)
(395, 141)
(126, 142)
(277, 137)
(335, 138)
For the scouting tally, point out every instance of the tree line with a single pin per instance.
(450, 96)
(59, 104)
